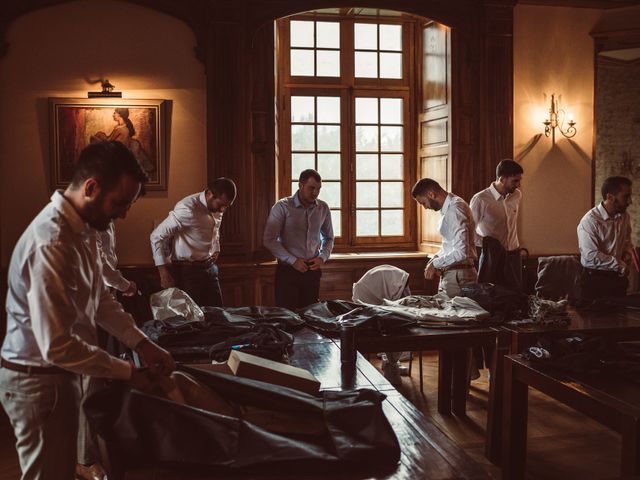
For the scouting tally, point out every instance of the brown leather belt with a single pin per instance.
(207, 262)
(456, 267)
(31, 369)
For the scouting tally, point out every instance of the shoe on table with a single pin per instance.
(90, 472)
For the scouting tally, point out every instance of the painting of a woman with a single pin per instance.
(124, 132)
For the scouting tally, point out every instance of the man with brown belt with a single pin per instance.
(186, 245)
(454, 261)
(55, 299)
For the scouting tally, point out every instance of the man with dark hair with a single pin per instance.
(55, 299)
(186, 245)
(454, 261)
(299, 234)
(604, 238)
(495, 212)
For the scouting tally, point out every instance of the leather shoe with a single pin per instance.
(90, 472)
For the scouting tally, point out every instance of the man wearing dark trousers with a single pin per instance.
(299, 234)
(186, 245)
(604, 238)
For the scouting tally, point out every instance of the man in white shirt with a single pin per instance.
(604, 238)
(113, 277)
(186, 245)
(454, 261)
(495, 212)
(56, 296)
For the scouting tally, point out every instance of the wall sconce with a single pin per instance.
(556, 119)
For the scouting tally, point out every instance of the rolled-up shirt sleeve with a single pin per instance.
(53, 314)
(459, 243)
(272, 230)
(588, 244)
(326, 237)
(162, 235)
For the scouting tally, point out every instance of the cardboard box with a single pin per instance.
(258, 368)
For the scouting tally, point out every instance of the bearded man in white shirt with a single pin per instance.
(454, 261)
(55, 299)
(186, 245)
(604, 238)
(495, 212)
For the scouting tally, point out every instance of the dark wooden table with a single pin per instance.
(615, 325)
(614, 402)
(426, 453)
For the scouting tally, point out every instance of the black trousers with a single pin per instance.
(602, 283)
(200, 282)
(295, 289)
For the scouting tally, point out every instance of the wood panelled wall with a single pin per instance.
(235, 42)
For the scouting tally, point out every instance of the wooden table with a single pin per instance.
(426, 453)
(615, 325)
(612, 401)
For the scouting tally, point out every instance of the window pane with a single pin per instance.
(336, 222)
(366, 139)
(330, 193)
(301, 33)
(367, 194)
(294, 187)
(328, 35)
(391, 139)
(390, 65)
(391, 37)
(366, 223)
(366, 36)
(366, 110)
(367, 167)
(302, 137)
(329, 166)
(302, 62)
(366, 64)
(328, 109)
(391, 167)
(329, 138)
(392, 222)
(328, 63)
(300, 162)
(391, 111)
(302, 109)
(391, 194)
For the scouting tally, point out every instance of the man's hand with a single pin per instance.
(215, 256)
(300, 265)
(132, 290)
(430, 271)
(315, 263)
(156, 358)
(166, 280)
(140, 381)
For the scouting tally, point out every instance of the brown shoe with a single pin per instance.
(90, 472)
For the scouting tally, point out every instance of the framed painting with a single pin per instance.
(138, 124)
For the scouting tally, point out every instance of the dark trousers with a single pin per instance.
(200, 282)
(500, 266)
(295, 289)
(602, 283)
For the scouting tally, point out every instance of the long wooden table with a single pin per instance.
(615, 325)
(426, 453)
(612, 401)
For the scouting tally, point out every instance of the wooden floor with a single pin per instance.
(562, 444)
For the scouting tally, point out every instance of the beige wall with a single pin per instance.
(553, 53)
(52, 53)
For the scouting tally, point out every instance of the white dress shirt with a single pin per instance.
(57, 295)
(496, 216)
(107, 248)
(604, 240)
(190, 232)
(456, 228)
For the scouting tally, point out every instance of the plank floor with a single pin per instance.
(562, 444)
